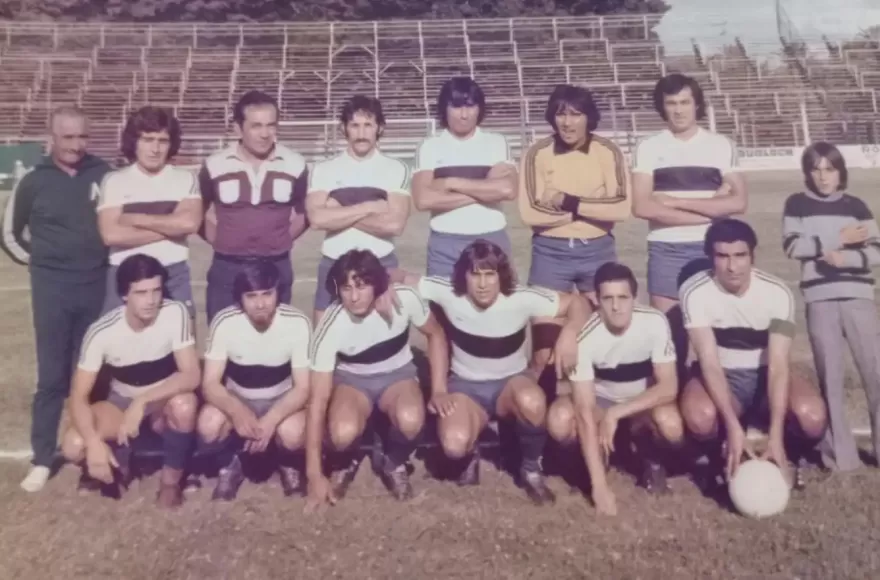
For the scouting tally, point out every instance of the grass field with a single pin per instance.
(830, 530)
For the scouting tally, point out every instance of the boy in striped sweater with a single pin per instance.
(836, 239)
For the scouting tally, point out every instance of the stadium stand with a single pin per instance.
(199, 70)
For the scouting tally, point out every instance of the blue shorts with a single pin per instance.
(178, 287)
(562, 264)
(374, 386)
(323, 298)
(749, 388)
(445, 249)
(670, 264)
(485, 392)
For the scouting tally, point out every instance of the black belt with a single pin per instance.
(251, 259)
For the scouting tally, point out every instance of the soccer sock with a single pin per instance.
(224, 451)
(398, 447)
(122, 453)
(531, 444)
(291, 458)
(177, 447)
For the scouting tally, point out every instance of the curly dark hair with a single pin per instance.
(150, 119)
(362, 265)
(483, 255)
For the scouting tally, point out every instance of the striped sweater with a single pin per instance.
(811, 226)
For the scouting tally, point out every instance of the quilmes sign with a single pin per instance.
(769, 158)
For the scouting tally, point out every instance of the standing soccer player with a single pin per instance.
(573, 188)
(360, 197)
(835, 237)
(462, 175)
(256, 189)
(150, 207)
(740, 321)
(683, 178)
(149, 349)
(68, 267)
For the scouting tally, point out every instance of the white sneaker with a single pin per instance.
(36, 479)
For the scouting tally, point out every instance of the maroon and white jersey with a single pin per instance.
(254, 206)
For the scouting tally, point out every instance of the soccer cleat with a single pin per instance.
(653, 478)
(291, 480)
(397, 481)
(471, 473)
(341, 479)
(229, 480)
(87, 484)
(170, 495)
(536, 487)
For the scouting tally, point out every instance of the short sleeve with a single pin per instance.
(319, 178)
(583, 370)
(399, 179)
(662, 347)
(181, 325)
(425, 157)
(193, 191)
(413, 305)
(435, 289)
(730, 157)
(643, 160)
(325, 344)
(109, 194)
(539, 302)
(217, 345)
(694, 307)
(302, 341)
(781, 303)
(91, 354)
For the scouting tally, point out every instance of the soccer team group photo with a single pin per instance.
(600, 335)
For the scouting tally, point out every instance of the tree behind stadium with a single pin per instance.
(306, 10)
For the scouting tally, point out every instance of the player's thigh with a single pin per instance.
(108, 419)
(212, 423)
(348, 405)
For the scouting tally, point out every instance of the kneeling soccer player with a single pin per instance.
(261, 347)
(625, 372)
(361, 361)
(148, 346)
(488, 315)
(740, 321)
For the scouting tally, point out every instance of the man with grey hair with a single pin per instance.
(55, 202)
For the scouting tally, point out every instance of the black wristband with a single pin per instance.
(570, 203)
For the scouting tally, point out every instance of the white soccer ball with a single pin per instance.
(758, 489)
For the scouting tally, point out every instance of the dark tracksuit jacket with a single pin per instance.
(68, 268)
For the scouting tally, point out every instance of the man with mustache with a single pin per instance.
(360, 198)
(253, 193)
(150, 207)
(55, 203)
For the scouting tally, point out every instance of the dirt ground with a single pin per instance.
(830, 530)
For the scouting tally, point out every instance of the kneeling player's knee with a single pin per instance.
(409, 419)
(211, 425)
(291, 433)
(73, 446)
(560, 423)
(181, 411)
(811, 416)
(668, 423)
(456, 442)
(532, 404)
(344, 432)
(701, 420)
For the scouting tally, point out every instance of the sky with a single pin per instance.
(714, 23)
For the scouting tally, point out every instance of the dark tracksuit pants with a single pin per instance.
(63, 310)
